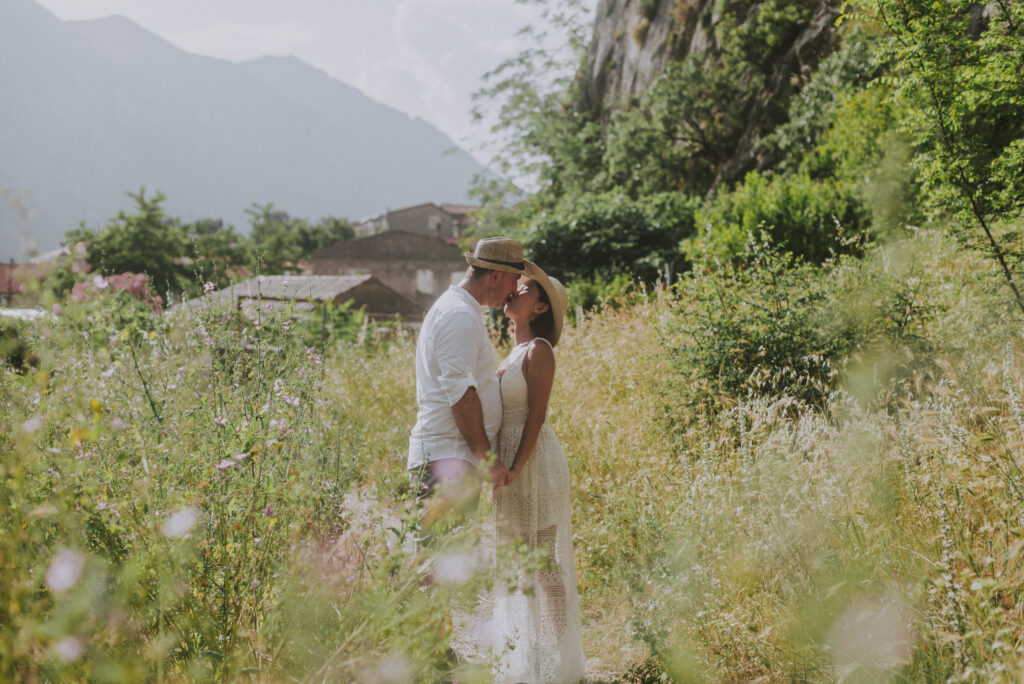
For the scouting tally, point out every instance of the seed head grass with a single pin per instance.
(177, 494)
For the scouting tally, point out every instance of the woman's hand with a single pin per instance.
(498, 474)
(506, 479)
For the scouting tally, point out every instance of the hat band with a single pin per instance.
(513, 264)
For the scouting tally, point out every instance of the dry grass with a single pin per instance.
(766, 541)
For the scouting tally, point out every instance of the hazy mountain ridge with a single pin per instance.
(94, 109)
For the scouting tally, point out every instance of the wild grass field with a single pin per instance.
(173, 488)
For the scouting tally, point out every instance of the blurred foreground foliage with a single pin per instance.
(172, 490)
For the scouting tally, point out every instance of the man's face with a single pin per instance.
(503, 284)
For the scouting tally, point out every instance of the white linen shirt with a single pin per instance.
(453, 353)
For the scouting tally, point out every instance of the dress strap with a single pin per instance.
(541, 339)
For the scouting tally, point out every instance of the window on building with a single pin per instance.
(434, 224)
(425, 281)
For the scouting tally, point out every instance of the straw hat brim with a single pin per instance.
(556, 292)
(473, 261)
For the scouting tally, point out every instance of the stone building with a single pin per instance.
(447, 221)
(418, 267)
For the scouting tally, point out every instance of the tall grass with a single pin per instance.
(177, 492)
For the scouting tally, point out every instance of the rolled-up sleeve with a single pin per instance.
(456, 344)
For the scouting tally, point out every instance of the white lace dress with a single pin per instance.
(537, 625)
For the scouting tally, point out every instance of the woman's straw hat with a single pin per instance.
(497, 254)
(557, 295)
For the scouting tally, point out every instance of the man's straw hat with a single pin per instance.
(497, 254)
(557, 295)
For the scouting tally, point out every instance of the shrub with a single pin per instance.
(811, 219)
(15, 348)
(595, 293)
(606, 235)
(761, 329)
(780, 327)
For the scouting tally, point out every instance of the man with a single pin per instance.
(456, 386)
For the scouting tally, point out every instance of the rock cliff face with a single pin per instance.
(634, 40)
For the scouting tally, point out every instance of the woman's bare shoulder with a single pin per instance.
(540, 355)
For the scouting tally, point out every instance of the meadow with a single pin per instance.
(174, 488)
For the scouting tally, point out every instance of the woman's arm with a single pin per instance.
(539, 371)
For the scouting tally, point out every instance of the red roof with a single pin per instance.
(458, 209)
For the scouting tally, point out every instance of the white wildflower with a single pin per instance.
(65, 570)
(179, 524)
(69, 649)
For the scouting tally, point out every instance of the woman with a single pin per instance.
(536, 624)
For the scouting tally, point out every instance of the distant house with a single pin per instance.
(418, 267)
(446, 221)
(365, 292)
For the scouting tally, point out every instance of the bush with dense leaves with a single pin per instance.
(781, 327)
(15, 349)
(810, 218)
(606, 235)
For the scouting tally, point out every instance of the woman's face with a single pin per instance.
(523, 303)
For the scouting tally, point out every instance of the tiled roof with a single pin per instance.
(300, 287)
(458, 209)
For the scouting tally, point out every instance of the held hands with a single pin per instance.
(504, 478)
(498, 474)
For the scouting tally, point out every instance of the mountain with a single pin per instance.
(90, 110)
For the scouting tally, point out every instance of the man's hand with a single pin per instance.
(497, 474)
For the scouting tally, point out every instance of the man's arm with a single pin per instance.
(469, 417)
(455, 349)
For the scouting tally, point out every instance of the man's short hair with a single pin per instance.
(479, 273)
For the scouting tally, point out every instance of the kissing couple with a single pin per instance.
(475, 419)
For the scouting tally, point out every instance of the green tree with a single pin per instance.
(957, 72)
(219, 254)
(548, 142)
(281, 241)
(324, 232)
(144, 241)
(708, 118)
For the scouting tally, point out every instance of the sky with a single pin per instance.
(422, 57)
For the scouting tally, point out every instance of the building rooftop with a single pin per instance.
(299, 287)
